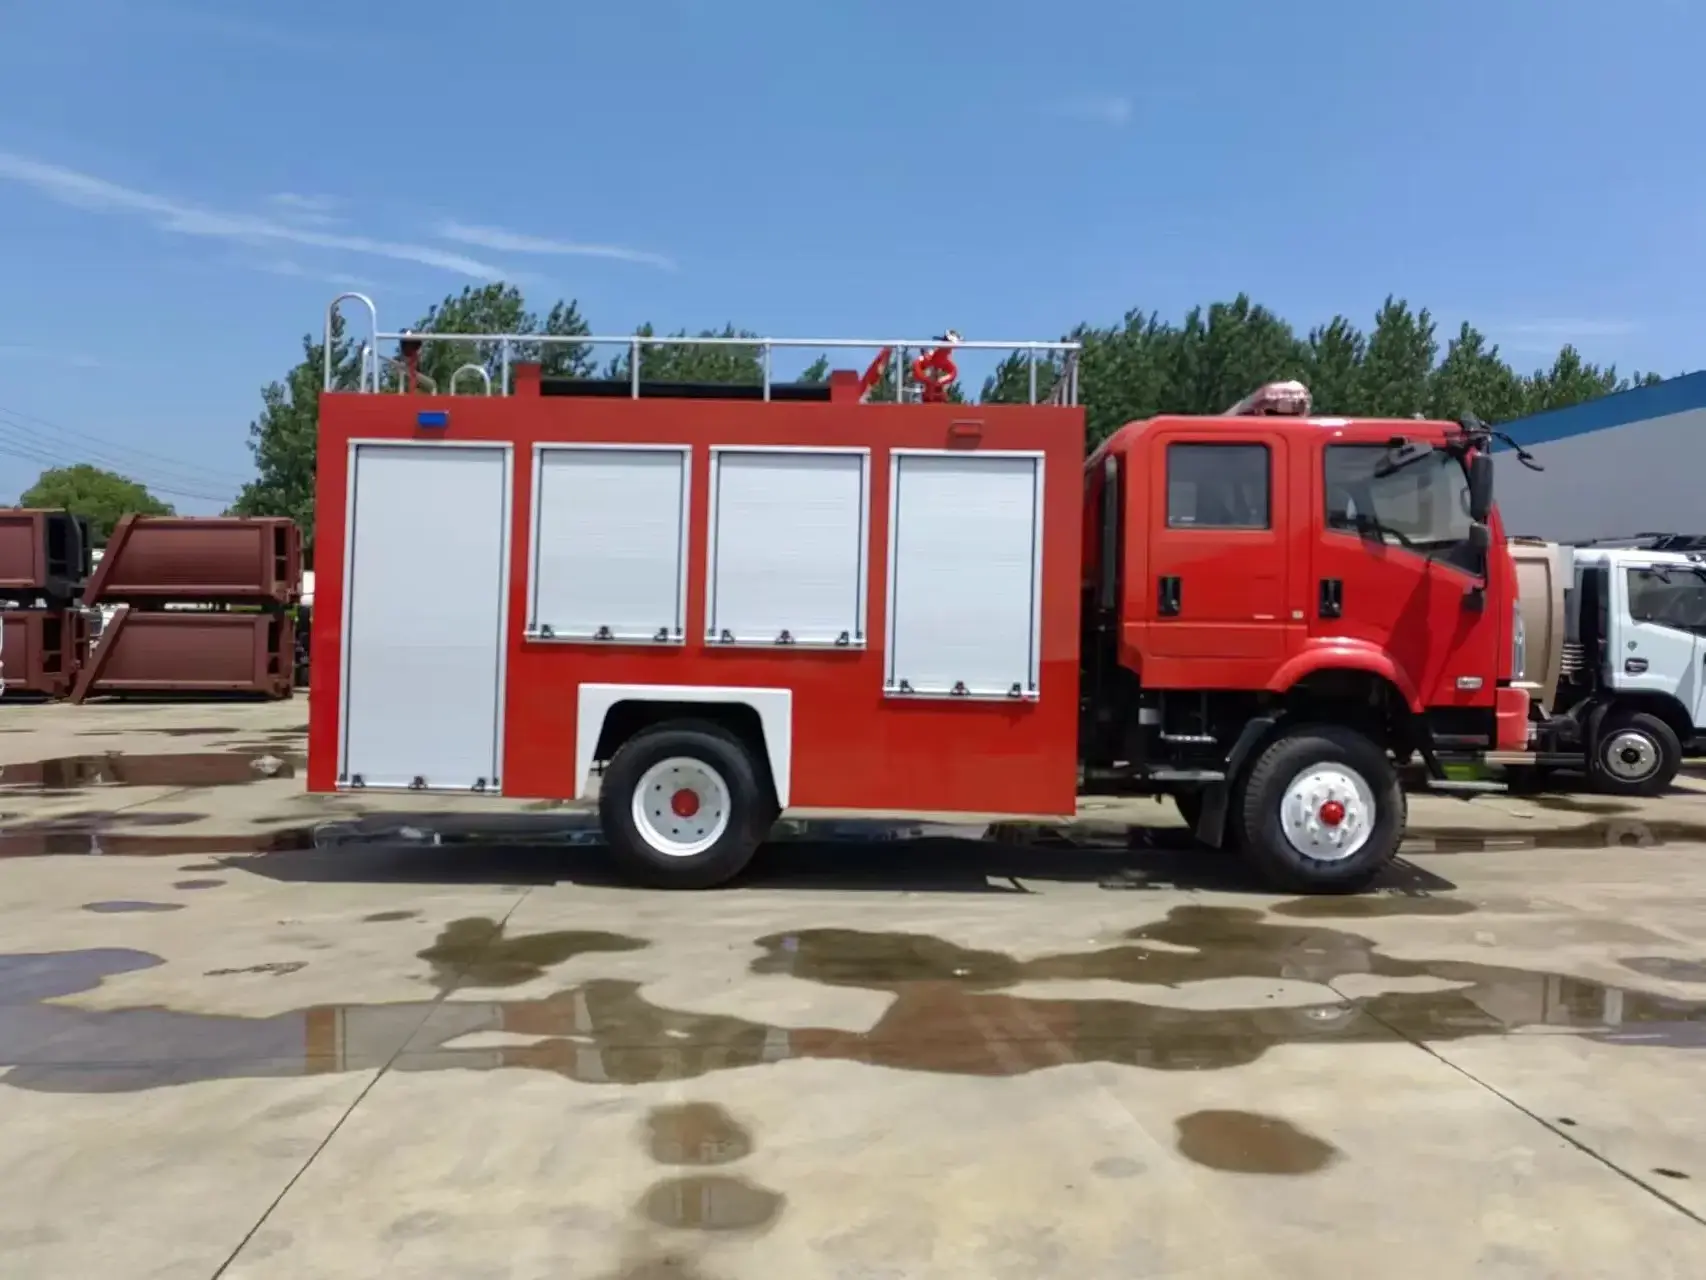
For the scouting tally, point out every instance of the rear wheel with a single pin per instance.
(1322, 811)
(1637, 755)
(682, 806)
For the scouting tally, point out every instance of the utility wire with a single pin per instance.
(147, 458)
(23, 443)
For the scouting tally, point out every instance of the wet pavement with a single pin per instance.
(248, 1033)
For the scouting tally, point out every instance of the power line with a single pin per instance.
(153, 458)
(22, 450)
(20, 442)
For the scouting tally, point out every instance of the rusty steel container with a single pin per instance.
(42, 650)
(43, 553)
(160, 652)
(221, 559)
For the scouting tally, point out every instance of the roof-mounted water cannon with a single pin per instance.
(1288, 399)
(934, 371)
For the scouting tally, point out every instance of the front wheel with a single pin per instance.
(682, 805)
(1637, 755)
(1322, 811)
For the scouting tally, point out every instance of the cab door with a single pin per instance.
(1217, 565)
(1386, 570)
(1657, 644)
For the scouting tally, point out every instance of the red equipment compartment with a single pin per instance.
(42, 650)
(853, 746)
(170, 652)
(42, 552)
(160, 558)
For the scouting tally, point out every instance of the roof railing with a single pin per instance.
(1063, 391)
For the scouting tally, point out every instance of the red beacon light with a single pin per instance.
(1289, 399)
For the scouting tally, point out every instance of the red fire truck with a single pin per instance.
(710, 604)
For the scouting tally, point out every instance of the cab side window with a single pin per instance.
(1218, 486)
(1668, 598)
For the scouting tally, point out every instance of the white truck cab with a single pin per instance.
(1617, 666)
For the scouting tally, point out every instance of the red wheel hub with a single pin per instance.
(1332, 813)
(684, 803)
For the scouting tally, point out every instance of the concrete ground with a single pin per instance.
(268, 1036)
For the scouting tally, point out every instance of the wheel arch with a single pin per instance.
(1361, 697)
(607, 715)
(1342, 661)
(1665, 706)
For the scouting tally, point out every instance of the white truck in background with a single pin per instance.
(1612, 650)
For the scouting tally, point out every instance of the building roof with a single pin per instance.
(1639, 404)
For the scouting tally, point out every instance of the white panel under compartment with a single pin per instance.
(609, 553)
(965, 574)
(787, 547)
(425, 582)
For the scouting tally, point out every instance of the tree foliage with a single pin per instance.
(1139, 367)
(1145, 365)
(102, 496)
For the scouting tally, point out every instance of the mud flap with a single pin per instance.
(1217, 797)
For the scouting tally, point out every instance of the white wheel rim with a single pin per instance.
(1631, 756)
(1328, 812)
(681, 807)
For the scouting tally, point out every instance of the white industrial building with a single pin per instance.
(1625, 464)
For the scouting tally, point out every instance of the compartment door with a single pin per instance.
(424, 631)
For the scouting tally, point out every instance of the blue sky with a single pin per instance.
(185, 183)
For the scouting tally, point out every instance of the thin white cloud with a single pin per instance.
(500, 240)
(1112, 109)
(296, 271)
(317, 210)
(47, 355)
(1565, 329)
(239, 30)
(85, 191)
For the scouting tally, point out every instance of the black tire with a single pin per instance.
(751, 806)
(1284, 864)
(1637, 754)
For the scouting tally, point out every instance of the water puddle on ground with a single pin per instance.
(125, 906)
(79, 837)
(186, 769)
(476, 953)
(711, 1202)
(1248, 1142)
(696, 1133)
(1372, 906)
(953, 1010)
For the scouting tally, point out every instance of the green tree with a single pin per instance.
(102, 496)
(1474, 379)
(1397, 362)
(496, 308)
(282, 439)
(724, 361)
(1332, 359)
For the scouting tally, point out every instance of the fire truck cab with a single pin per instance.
(705, 605)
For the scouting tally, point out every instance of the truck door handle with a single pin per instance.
(1167, 598)
(1332, 603)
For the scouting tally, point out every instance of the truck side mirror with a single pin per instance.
(1480, 487)
(1480, 536)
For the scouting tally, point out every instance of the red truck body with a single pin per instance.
(707, 605)
(852, 746)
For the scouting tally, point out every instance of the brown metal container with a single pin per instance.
(42, 553)
(154, 559)
(42, 650)
(170, 652)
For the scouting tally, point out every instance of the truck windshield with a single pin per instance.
(1423, 507)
